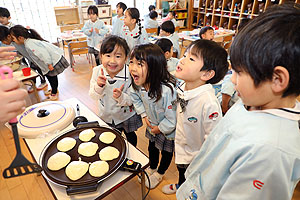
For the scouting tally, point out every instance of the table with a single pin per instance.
(109, 185)
(18, 75)
(194, 34)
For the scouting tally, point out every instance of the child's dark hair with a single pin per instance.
(135, 14)
(122, 5)
(92, 10)
(172, 12)
(4, 32)
(4, 12)
(243, 23)
(19, 30)
(269, 40)
(165, 44)
(157, 68)
(214, 58)
(153, 14)
(204, 30)
(151, 7)
(109, 43)
(168, 27)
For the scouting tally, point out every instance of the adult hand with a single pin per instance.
(6, 53)
(12, 99)
(101, 80)
(117, 92)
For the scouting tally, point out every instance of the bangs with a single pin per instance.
(138, 54)
(195, 51)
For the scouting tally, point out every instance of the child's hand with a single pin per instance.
(97, 30)
(101, 80)
(155, 129)
(12, 99)
(50, 67)
(147, 122)
(91, 30)
(117, 92)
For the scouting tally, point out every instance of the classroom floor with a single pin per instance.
(76, 84)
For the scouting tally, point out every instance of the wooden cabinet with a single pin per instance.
(225, 13)
(104, 13)
(66, 15)
(181, 12)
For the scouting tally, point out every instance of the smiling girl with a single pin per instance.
(109, 85)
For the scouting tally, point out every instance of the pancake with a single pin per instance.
(98, 168)
(58, 161)
(88, 149)
(66, 144)
(109, 153)
(86, 135)
(107, 137)
(76, 169)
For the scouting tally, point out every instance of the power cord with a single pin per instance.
(148, 182)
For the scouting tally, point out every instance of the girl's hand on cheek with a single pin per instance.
(117, 92)
(101, 80)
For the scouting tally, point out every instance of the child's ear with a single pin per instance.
(208, 75)
(280, 79)
(167, 54)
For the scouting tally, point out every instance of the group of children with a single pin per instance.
(252, 152)
(47, 59)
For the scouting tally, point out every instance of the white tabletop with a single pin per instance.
(36, 146)
(18, 75)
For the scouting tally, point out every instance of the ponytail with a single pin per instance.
(20, 30)
(140, 28)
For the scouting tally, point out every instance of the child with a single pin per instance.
(167, 46)
(171, 17)
(152, 23)
(198, 112)
(109, 85)
(118, 21)
(167, 29)
(5, 17)
(95, 29)
(253, 152)
(206, 33)
(152, 94)
(133, 32)
(147, 16)
(6, 39)
(228, 94)
(11, 95)
(46, 56)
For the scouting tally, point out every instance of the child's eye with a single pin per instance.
(192, 59)
(184, 55)
(118, 56)
(130, 61)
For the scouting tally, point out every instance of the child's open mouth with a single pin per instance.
(135, 77)
(112, 67)
(178, 69)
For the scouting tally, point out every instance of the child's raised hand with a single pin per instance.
(91, 30)
(155, 130)
(117, 92)
(101, 80)
(97, 30)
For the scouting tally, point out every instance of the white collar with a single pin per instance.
(189, 94)
(122, 75)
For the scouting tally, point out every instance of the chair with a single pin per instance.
(151, 30)
(77, 48)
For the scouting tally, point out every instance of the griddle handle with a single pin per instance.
(92, 124)
(71, 190)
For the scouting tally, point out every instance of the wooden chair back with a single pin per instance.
(151, 30)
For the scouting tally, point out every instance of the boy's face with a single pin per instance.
(138, 70)
(4, 20)
(163, 33)
(188, 69)
(93, 17)
(114, 61)
(119, 11)
(170, 15)
(208, 35)
(8, 40)
(250, 94)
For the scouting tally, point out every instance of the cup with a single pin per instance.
(26, 71)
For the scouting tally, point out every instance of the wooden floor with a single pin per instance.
(74, 84)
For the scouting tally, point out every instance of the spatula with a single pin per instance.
(20, 165)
